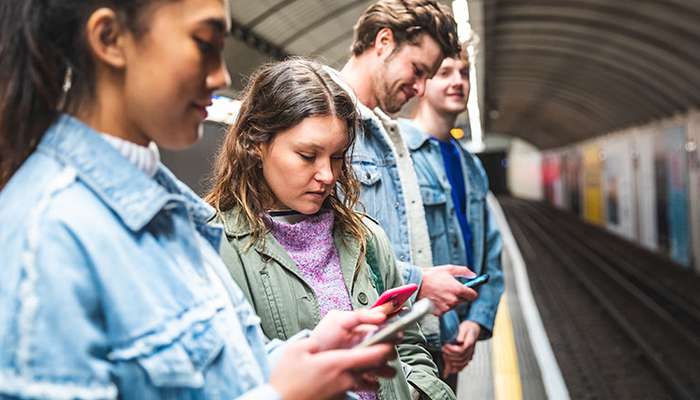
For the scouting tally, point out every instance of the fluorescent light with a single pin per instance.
(223, 110)
(460, 9)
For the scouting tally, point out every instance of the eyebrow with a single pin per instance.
(317, 147)
(219, 25)
(314, 146)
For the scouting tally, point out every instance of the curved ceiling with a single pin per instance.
(559, 71)
(317, 28)
(554, 71)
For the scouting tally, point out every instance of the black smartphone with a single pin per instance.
(477, 281)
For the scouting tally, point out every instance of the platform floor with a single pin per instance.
(507, 367)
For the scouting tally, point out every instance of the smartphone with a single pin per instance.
(478, 281)
(397, 296)
(397, 324)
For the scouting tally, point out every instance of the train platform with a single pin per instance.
(513, 363)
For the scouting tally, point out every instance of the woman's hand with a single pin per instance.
(344, 329)
(306, 372)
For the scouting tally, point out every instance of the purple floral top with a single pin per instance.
(310, 244)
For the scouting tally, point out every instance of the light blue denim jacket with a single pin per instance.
(446, 239)
(112, 285)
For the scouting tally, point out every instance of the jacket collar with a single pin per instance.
(133, 196)
(413, 135)
(365, 112)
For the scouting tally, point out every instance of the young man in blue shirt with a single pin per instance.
(453, 187)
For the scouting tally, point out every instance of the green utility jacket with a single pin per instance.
(286, 304)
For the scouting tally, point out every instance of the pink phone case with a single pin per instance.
(397, 295)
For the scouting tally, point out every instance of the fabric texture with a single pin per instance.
(309, 243)
(452, 160)
(112, 285)
(287, 302)
(446, 240)
(390, 193)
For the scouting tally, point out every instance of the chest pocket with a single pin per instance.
(367, 174)
(182, 362)
(435, 204)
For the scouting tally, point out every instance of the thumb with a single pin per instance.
(460, 271)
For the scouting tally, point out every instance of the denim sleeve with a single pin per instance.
(261, 392)
(483, 309)
(55, 344)
(410, 273)
(276, 347)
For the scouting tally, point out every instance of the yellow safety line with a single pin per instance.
(506, 375)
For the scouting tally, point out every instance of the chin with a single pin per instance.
(181, 139)
(308, 209)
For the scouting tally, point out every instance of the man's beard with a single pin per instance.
(389, 101)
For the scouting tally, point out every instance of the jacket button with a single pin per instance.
(362, 297)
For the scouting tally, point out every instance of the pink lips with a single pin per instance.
(202, 108)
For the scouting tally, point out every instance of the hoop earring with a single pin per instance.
(67, 85)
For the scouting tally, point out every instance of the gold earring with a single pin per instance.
(67, 85)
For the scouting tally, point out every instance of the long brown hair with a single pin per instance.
(40, 40)
(278, 97)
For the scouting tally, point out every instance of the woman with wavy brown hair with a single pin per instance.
(285, 193)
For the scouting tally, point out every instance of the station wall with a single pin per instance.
(642, 183)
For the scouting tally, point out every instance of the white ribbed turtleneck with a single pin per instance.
(144, 158)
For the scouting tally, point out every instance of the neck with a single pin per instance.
(106, 112)
(355, 73)
(436, 123)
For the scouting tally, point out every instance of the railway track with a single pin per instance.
(645, 342)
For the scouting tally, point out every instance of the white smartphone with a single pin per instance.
(397, 324)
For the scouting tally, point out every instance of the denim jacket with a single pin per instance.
(112, 285)
(446, 239)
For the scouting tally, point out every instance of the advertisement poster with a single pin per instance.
(670, 160)
(592, 188)
(617, 187)
(645, 189)
(551, 179)
(571, 180)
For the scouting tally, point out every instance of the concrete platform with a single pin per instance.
(517, 363)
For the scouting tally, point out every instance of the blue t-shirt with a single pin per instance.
(453, 168)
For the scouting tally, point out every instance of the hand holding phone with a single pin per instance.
(396, 296)
(395, 325)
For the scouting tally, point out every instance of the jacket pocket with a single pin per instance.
(183, 362)
(176, 354)
(367, 174)
(435, 204)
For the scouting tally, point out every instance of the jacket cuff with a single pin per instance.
(275, 347)
(411, 274)
(430, 387)
(261, 392)
(483, 316)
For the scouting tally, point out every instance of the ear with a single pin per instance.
(384, 42)
(106, 37)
